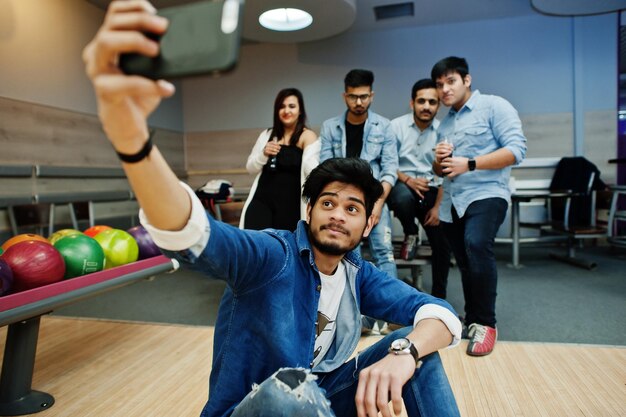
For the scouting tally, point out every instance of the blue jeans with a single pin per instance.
(427, 393)
(472, 237)
(381, 246)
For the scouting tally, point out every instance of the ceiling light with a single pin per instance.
(284, 20)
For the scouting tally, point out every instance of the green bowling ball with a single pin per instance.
(119, 246)
(81, 253)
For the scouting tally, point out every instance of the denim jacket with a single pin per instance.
(379, 144)
(267, 316)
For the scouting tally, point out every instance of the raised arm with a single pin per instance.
(125, 102)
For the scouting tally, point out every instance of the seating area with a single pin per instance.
(568, 208)
(40, 198)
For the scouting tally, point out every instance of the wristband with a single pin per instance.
(406, 180)
(139, 156)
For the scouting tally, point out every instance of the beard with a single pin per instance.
(359, 110)
(424, 116)
(331, 248)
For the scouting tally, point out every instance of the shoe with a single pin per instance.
(482, 339)
(409, 247)
(369, 327)
(464, 332)
(389, 328)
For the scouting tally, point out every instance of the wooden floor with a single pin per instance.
(106, 369)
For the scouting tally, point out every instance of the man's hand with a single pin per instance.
(418, 184)
(454, 166)
(378, 381)
(125, 102)
(377, 211)
(442, 151)
(432, 217)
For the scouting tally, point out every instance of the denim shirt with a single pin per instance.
(415, 148)
(483, 125)
(379, 144)
(267, 315)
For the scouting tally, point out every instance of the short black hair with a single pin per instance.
(359, 78)
(448, 65)
(353, 171)
(422, 85)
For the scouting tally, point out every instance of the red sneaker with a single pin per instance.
(482, 339)
(409, 247)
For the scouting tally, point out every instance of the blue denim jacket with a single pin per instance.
(484, 124)
(267, 316)
(379, 144)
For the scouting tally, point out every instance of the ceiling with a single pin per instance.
(335, 16)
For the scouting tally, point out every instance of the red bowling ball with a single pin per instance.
(6, 278)
(147, 247)
(34, 264)
(94, 230)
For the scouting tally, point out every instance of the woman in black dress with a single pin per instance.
(282, 158)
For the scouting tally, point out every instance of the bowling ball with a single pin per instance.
(6, 278)
(147, 247)
(94, 230)
(81, 253)
(26, 237)
(119, 247)
(59, 234)
(34, 264)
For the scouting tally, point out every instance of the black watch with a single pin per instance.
(404, 346)
(471, 164)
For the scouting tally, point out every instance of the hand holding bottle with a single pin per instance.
(443, 150)
(271, 150)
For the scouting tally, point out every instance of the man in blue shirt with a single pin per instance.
(478, 141)
(269, 317)
(361, 133)
(417, 194)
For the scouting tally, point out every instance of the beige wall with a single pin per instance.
(40, 51)
(41, 43)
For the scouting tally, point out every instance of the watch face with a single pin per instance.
(400, 344)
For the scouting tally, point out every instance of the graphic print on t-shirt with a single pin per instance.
(330, 298)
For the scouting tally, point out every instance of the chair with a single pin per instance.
(34, 218)
(81, 211)
(571, 206)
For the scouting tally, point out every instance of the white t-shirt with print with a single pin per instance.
(333, 287)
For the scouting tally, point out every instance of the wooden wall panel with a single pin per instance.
(223, 154)
(601, 142)
(41, 135)
(220, 154)
(32, 134)
(548, 134)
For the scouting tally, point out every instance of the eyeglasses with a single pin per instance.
(352, 98)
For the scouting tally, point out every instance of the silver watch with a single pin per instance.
(404, 346)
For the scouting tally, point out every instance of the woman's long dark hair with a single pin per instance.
(278, 130)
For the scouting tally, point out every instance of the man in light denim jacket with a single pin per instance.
(278, 321)
(478, 142)
(361, 133)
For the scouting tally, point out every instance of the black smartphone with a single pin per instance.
(202, 38)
